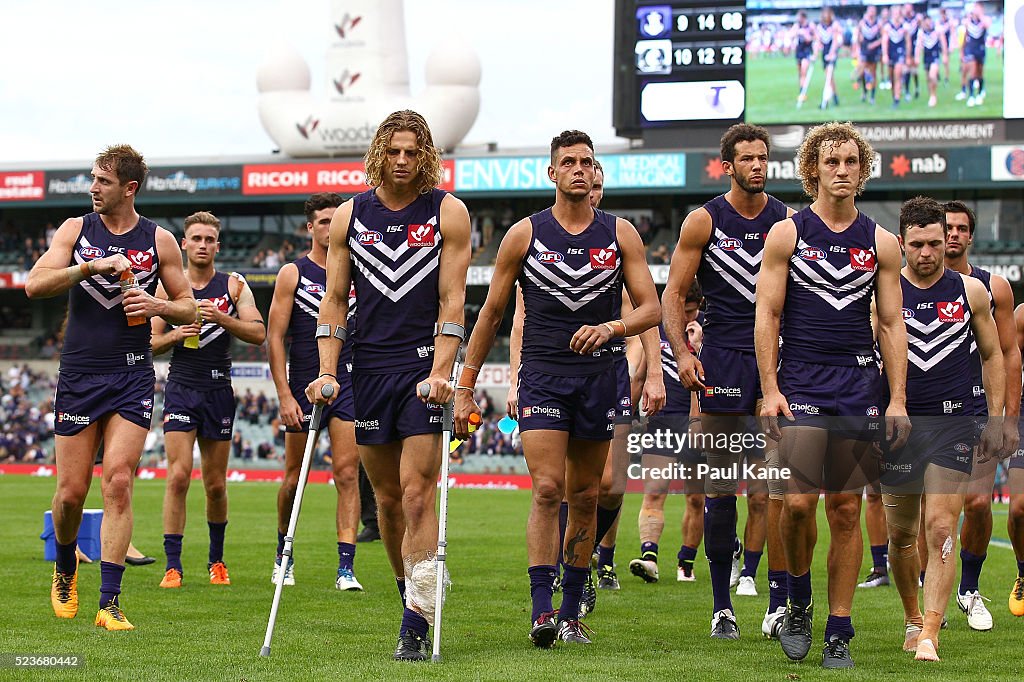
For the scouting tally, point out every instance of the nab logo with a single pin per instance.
(549, 257)
(602, 259)
(221, 302)
(862, 259)
(315, 289)
(872, 411)
(812, 254)
(92, 252)
(730, 244)
(950, 311)
(370, 237)
(421, 235)
(141, 260)
(908, 314)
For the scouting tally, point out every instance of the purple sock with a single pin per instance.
(750, 563)
(110, 582)
(346, 555)
(838, 625)
(605, 555)
(67, 563)
(720, 542)
(1020, 569)
(216, 541)
(970, 571)
(777, 590)
(280, 544)
(799, 588)
(542, 579)
(879, 557)
(401, 589)
(605, 519)
(172, 548)
(572, 591)
(922, 577)
(649, 548)
(563, 522)
(413, 621)
(687, 555)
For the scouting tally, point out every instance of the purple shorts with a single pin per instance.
(732, 384)
(83, 398)
(387, 408)
(843, 399)
(211, 414)
(947, 442)
(624, 408)
(583, 406)
(341, 408)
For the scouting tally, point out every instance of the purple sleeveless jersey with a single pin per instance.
(303, 354)
(208, 366)
(978, 387)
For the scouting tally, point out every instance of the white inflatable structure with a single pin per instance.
(368, 78)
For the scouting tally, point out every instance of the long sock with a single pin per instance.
(542, 579)
(400, 582)
(1020, 569)
(777, 590)
(719, 544)
(563, 522)
(981, 85)
(649, 548)
(751, 560)
(922, 577)
(686, 556)
(280, 543)
(838, 625)
(110, 582)
(572, 591)
(346, 555)
(413, 621)
(605, 519)
(605, 555)
(917, 83)
(172, 548)
(799, 587)
(970, 570)
(216, 541)
(66, 561)
(879, 557)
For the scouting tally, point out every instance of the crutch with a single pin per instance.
(448, 426)
(286, 554)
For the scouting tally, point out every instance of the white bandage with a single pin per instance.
(421, 585)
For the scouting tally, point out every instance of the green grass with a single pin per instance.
(644, 632)
(772, 90)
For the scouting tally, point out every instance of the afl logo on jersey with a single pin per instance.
(730, 244)
(908, 313)
(862, 259)
(950, 311)
(370, 237)
(872, 411)
(421, 235)
(602, 259)
(141, 260)
(549, 257)
(812, 254)
(92, 252)
(315, 289)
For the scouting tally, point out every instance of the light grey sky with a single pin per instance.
(178, 78)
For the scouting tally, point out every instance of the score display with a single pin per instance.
(689, 61)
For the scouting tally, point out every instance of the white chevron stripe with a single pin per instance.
(560, 293)
(925, 365)
(209, 338)
(742, 286)
(403, 248)
(753, 259)
(672, 372)
(397, 294)
(554, 283)
(564, 267)
(813, 282)
(833, 271)
(360, 254)
(955, 333)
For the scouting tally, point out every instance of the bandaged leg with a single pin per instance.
(421, 583)
(651, 523)
(903, 518)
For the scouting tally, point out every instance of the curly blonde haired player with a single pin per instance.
(821, 267)
(106, 382)
(405, 245)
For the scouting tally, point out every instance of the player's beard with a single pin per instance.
(747, 187)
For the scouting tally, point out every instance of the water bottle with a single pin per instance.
(128, 282)
(193, 341)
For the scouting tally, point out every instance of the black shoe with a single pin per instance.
(795, 635)
(412, 647)
(589, 599)
(606, 578)
(723, 625)
(368, 534)
(139, 561)
(573, 631)
(836, 653)
(544, 630)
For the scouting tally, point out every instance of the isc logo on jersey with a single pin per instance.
(141, 260)
(730, 244)
(950, 311)
(370, 237)
(549, 257)
(421, 235)
(862, 259)
(92, 252)
(811, 253)
(602, 259)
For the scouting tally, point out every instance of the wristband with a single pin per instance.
(611, 330)
(327, 374)
(471, 389)
(86, 269)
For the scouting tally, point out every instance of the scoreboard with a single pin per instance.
(689, 62)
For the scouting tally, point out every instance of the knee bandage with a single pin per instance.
(421, 583)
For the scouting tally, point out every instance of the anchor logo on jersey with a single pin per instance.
(421, 235)
(602, 259)
(141, 260)
(221, 302)
(862, 259)
(950, 311)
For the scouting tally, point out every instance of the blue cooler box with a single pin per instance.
(88, 534)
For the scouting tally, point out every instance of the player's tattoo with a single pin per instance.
(570, 549)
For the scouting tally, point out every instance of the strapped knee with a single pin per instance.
(421, 583)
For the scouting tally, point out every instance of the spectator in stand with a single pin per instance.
(258, 259)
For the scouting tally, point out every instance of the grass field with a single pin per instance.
(772, 90)
(644, 632)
